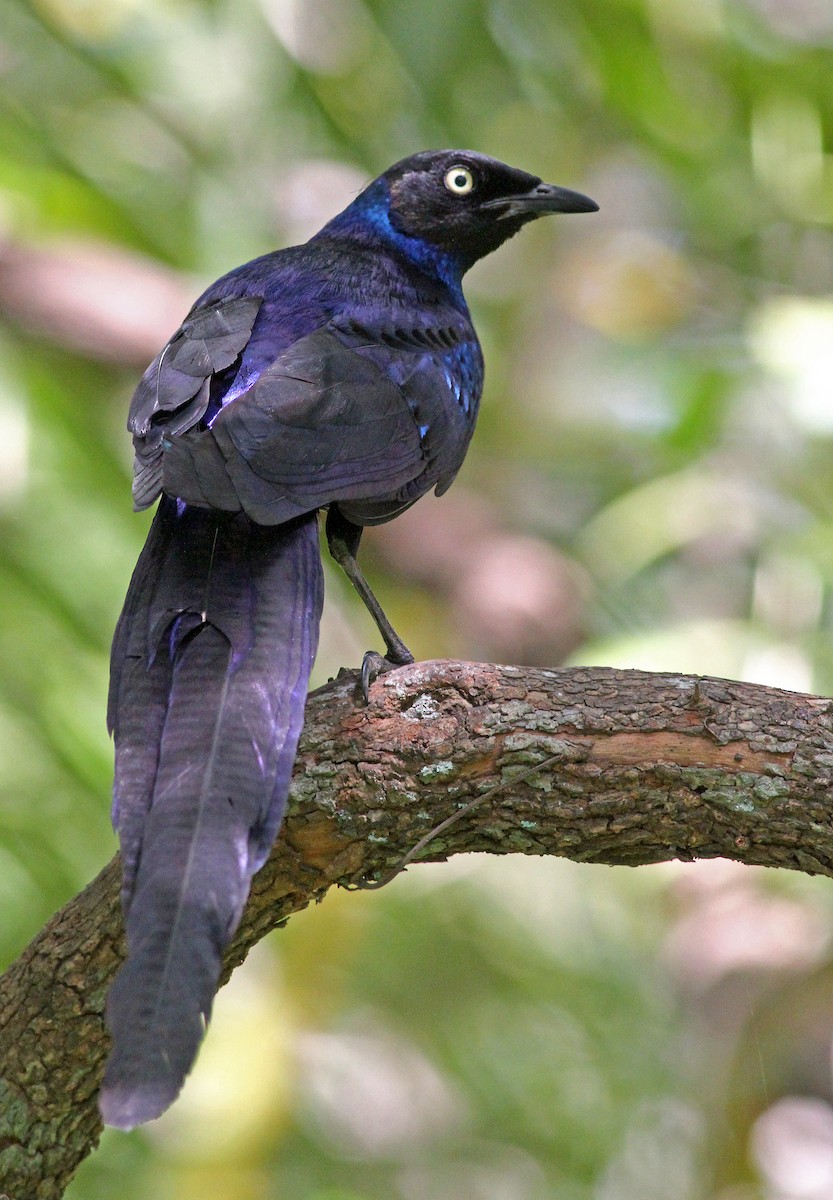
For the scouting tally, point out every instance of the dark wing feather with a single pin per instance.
(320, 423)
(343, 415)
(440, 376)
(173, 393)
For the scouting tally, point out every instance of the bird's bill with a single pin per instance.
(541, 199)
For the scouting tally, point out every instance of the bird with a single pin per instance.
(341, 376)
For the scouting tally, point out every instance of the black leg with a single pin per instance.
(343, 539)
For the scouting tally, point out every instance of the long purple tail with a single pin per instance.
(209, 673)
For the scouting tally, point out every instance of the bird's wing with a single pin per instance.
(338, 416)
(173, 393)
(436, 362)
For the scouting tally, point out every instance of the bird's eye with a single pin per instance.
(459, 180)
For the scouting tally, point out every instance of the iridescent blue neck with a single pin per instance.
(368, 217)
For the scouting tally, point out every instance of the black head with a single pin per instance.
(466, 203)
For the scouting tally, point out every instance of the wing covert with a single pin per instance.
(173, 393)
(322, 423)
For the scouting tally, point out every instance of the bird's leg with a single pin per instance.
(343, 539)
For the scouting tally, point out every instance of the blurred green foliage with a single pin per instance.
(656, 432)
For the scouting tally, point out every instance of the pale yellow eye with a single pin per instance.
(459, 180)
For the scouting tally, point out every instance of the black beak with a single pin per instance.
(543, 198)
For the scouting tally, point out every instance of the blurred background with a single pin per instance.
(651, 485)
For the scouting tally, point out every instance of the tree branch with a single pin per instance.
(646, 768)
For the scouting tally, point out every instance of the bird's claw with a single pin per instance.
(375, 664)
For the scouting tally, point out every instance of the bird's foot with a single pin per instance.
(375, 664)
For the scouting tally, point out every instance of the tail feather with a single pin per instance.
(207, 709)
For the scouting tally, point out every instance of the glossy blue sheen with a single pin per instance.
(371, 211)
(306, 285)
(341, 375)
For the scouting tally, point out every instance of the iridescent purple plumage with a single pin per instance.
(343, 374)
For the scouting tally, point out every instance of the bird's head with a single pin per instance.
(468, 204)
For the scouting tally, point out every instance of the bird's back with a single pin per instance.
(343, 338)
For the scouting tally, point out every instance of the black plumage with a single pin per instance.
(344, 374)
